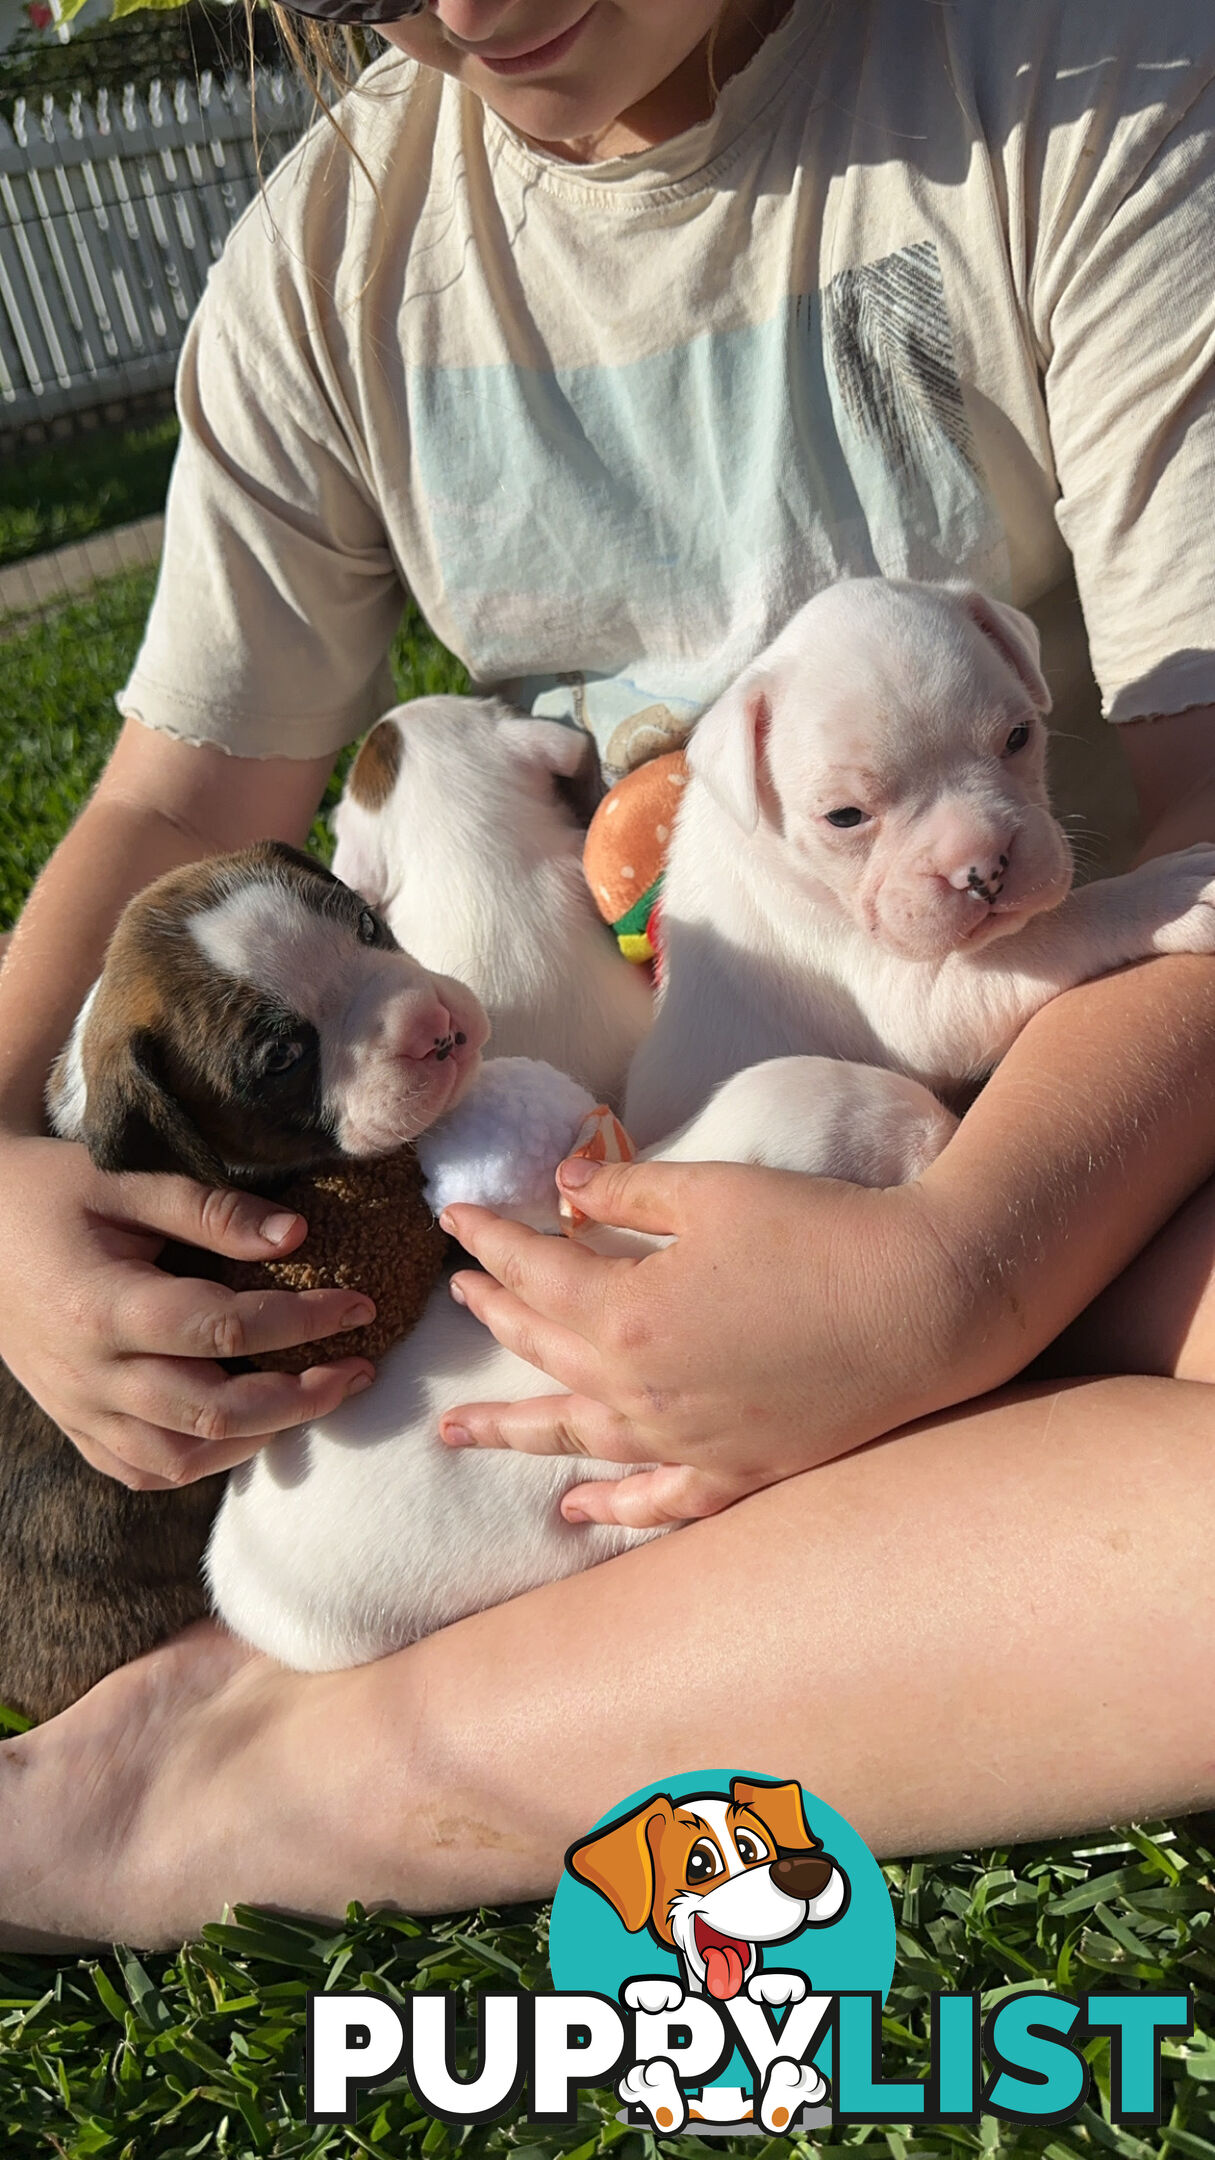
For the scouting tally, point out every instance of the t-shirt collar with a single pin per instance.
(684, 157)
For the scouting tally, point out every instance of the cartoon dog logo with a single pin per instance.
(715, 1878)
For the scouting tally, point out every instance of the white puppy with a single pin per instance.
(451, 824)
(865, 864)
(350, 1537)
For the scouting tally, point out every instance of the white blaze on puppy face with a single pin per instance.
(390, 1059)
(907, 757)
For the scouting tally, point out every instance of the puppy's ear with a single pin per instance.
(1015, 638)
(280, 852)
(728, 743)
(554, 744)
(132, 1122)
(780, 1808)
(568, 753)
(359, 857)
(619, 1863)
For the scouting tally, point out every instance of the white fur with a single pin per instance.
(499, 1147)
(350, 1537)
(67, 1098)
(476, 865)
(923, 939)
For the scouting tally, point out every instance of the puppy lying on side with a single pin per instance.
(355, 1535)
(453, 826)
(253, 1018)
(865, 865)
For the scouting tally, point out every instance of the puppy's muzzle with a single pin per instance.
(445, 1044)
(987, 886)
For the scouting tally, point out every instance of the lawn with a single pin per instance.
(160, 2058)
(53, 496)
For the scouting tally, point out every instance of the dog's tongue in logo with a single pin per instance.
(725, 1960)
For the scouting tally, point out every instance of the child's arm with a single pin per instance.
(118, 1353)
(841, 1314)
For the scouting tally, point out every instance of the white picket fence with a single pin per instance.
(110, 217)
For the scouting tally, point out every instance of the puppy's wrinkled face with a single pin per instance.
(900, 754)
(255, 1006)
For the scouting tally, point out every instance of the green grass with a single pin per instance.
(58, 675)
(163, 2058)
(202, 2053)
(72, 489)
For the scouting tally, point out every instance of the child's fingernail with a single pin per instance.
(446, 1223)
(456, 1292)
(575, 1514)
(360, 1381)
(455, 1436)
(576, 1172)
(277, 1227)
(358, 1315)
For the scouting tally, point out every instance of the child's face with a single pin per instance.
(594, 77)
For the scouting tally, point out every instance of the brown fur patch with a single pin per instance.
(374, 772)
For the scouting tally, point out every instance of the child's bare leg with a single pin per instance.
(1158, 1316)
(997, 1625)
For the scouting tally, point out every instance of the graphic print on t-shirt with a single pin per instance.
(683, 505)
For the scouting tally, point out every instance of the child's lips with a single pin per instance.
(536, 56)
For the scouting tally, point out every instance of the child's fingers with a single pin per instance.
(633, 1196)
(238, 1224)
(554, 1350)
(654, 1499)
(193, 1420)
(546, 1425)
(181, 1316)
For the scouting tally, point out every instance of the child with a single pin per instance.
(612, 331)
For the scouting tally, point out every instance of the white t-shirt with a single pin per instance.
(932, 294)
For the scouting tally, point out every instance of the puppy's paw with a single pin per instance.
(653, 2087)
(1185, 886)
(654, 1995)
(789, 2087)
(776, 1987)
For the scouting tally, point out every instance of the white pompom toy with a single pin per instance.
(500, 1147)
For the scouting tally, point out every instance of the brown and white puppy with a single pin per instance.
(253, 1018)
(457, 823)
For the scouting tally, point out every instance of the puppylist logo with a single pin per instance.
(721, 1947)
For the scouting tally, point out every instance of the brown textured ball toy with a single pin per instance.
(369, 1229)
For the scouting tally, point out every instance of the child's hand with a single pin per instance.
(122, 1355)
(793, 1319)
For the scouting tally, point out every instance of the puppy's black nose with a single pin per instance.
(802, 1875)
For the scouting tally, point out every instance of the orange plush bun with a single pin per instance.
(369, 1229)
(626, 848)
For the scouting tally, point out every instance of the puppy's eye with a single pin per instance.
(1017, 740)
(703, 1861)
(848, 817)
(283, 1057)
(369, 928)
(749, 1849)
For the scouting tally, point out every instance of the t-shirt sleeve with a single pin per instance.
(278, 595)
(1123, 306)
